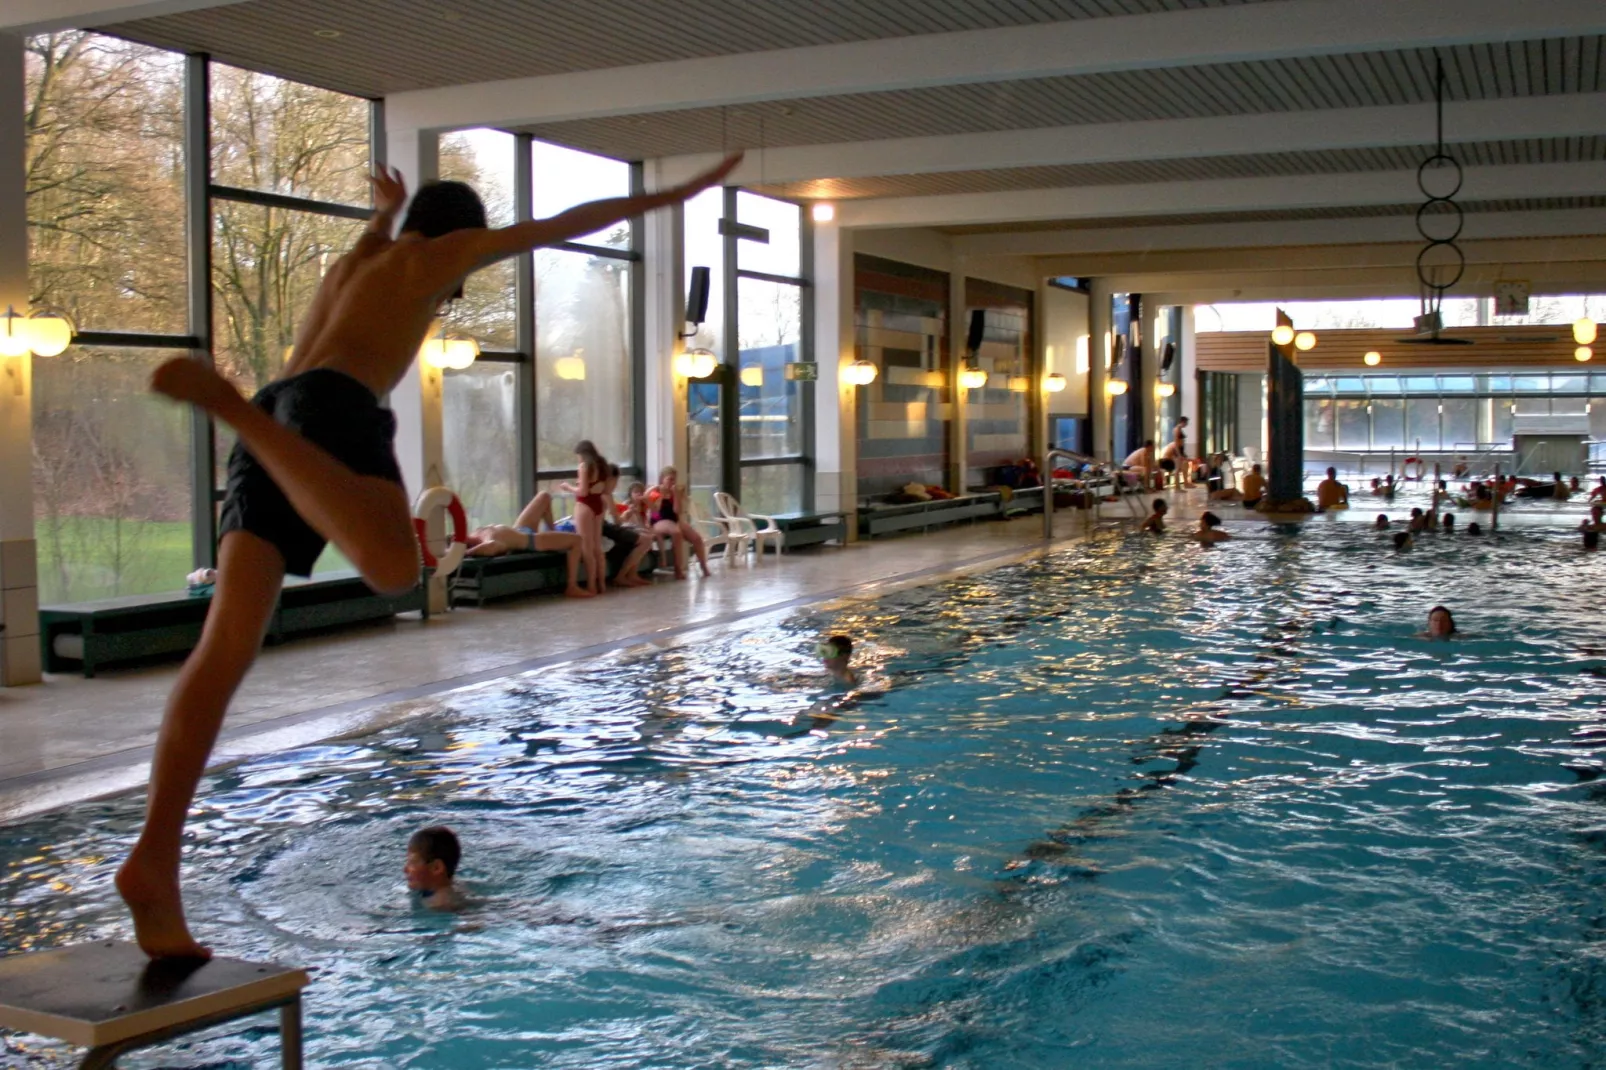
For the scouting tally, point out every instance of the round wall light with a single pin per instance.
(972, 378)
(859, 373)
(570, 368)
(1584, 332)
(1304, 341)
(1054, 382)
(1164, 390)
(1583, 353)
(1373, 359)
(752, 375)
(1115, 387)
(695, 364)
(1282, 334)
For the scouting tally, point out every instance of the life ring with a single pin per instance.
(1421, 468)
(441, 498)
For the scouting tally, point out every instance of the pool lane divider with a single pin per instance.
(124, 771)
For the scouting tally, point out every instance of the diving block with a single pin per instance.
(110, 998)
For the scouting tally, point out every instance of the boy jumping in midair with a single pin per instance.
(316, 463)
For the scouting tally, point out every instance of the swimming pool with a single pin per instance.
(1133, 803)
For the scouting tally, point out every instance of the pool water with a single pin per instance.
(1130, 804)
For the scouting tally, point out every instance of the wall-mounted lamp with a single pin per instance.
(972, 377)
(1584, 332)
(1164, 390)
(1304, 341)
(695, 364)
(1054, 382)
(1115, 387)
(1373, 359)
(571, 368)
(447, 352)
(753, 375)
(859, 373)
(824, 212)
(45, 333)
(1282, 334)
(1583, 353)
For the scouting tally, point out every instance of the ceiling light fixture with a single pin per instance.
(327, 35)
(1584, 332)
(824, 212)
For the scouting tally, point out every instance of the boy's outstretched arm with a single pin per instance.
(470, 250)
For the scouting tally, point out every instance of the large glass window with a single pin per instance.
(1421, 423)
(104, 130)
(1388, 423)
(484, 160)
(480, 426)
(564, 178)
(770, 331)
(274, 136)
(1354, 425)
(1459, 425)
(111, 476)
(582, 355)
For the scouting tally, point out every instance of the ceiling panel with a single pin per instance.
(387, 46)
(1260, 165)
(1371, 211)
(1473, 72)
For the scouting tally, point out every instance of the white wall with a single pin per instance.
(1065, 332)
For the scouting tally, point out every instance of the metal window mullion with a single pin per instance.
(524, 320)
(605, 251)
(198, 284)
(289, 203)
(730, 408)
(806, 353)
(774, 462)
(764, 276)
(638, 325)
(139, 340)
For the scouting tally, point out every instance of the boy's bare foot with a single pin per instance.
(630, 581)
(576, 592)
(153, 898)
(183, 379)
(679, 575)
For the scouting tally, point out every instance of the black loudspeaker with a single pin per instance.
(697, 296)
(1167, 355)
(978, 327)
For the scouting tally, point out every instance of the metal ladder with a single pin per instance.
(1093, 514)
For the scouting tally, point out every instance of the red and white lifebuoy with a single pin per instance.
(428, 502)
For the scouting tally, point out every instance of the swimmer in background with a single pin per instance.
(1330, 493)
(432, 857)
(1447, 524)
(1402, 541)
(1381, 523)
(1210, 530)
(1460, 468)
(1597, 519)
(836, 654)
(1156, 519)
(1441, 625)
(1419, 522)
(1598, 491)
(1474, 528)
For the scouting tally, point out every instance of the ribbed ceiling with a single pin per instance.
(1261, 165)
(1473, 72)
(387, 46)
(1280, 215)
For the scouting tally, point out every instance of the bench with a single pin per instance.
(108, 997)
(522, 572)
(809, 529)
(89, 636)
(884, 519)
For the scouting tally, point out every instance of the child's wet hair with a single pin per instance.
(437, 844)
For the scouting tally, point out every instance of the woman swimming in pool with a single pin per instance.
(1441, 625)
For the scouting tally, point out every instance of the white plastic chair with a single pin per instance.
(717, 532)
(746, 524)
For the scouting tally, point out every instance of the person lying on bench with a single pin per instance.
(525, 534)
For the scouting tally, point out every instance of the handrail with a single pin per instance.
(1048, 483)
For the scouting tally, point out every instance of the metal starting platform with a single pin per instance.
(110, 998)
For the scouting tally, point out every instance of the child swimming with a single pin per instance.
(432, 857)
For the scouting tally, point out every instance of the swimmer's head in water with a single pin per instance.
(1440, 623)
(1160, 506)
(837, 646)
(432, 857)
(1449, 521)
(1382, 521)
(1474, 528)
(442, 206)
(1402, 540)
(1332, 473)
(1210, 520)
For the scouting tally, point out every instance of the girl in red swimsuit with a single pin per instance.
(589, 507)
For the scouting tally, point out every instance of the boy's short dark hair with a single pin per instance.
(841, 644)
(1402, 539)
(1211, 520)
(1159, 505)
(442, 206)
(437, 844)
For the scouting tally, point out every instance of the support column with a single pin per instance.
(1100, 344)
(836, 442)
(958, 329)
(1285, 421)
(1188, 376)
(417, 399)
(663, 275)
(19, 578)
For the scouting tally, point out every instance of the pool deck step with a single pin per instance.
(109, 997)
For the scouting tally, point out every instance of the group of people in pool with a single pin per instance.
(601, 535)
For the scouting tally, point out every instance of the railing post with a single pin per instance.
(1494, 516)
(1048, 495)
